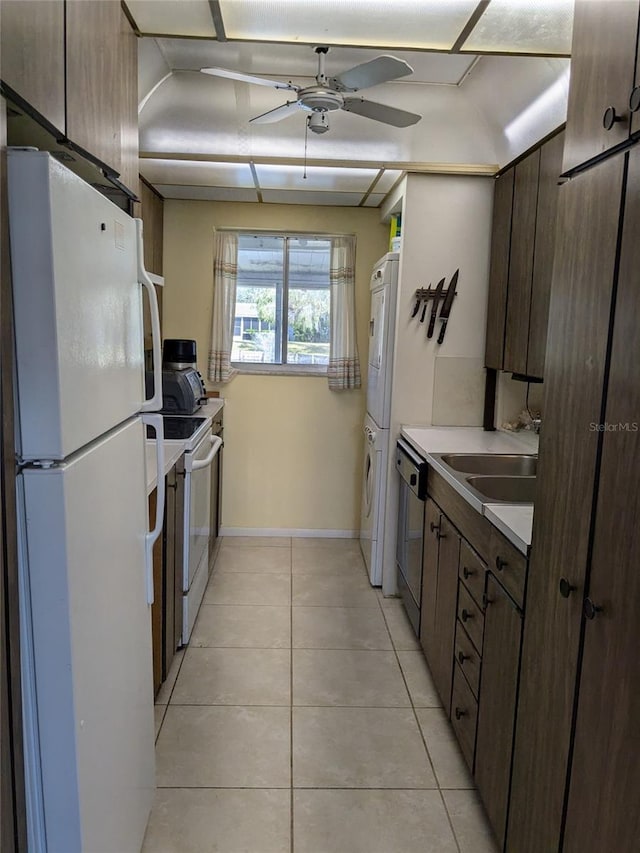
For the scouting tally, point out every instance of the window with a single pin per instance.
(282, 301)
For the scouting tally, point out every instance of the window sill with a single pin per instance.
(244, 367)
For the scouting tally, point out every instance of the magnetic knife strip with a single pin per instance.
(434, 294)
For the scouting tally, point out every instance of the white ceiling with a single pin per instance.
(478, 112)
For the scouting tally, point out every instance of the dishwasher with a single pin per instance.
(413, 491)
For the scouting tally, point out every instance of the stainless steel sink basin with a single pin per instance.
(517, 489)
(492, 463)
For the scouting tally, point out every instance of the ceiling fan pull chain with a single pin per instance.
(306, 134)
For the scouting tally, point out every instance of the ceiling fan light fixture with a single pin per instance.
(318, 122)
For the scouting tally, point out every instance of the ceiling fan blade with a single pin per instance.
(248, 78)
(380, 112)
(379, 70)
(277, 114)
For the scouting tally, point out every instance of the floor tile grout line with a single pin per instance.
(424, 741)
(439, 788)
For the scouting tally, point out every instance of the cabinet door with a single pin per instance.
(523, 229)
(603, 59)
(153, 219)
(431, 547)
(499, 269)
(33, 55)
(546, 216)
(579, 314)
(94, 89)
(497, 703)
(446, 600)
(129, 105)
(606, 754)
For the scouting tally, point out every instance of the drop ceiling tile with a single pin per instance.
(310, 197)
(318, 178)
(433, 24)
(514, 26)
(206, 193)
(388, 179)
(194, 172)
(374, 199)
(186, 18)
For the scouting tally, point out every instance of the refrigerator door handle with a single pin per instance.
(150, 537)
(216, 444)
(153, 404)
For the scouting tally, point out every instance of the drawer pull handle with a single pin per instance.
(460, 712)
(462, 657)
(590, 609)
(610, 118)
(467, 573)
(565, 588)
(634, 100)
(435, 528)
(466, 614)
(501, 564)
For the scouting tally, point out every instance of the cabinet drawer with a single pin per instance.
(471, 571)
(464, 716)
(470, 615)
(508, 565)
(467, 658)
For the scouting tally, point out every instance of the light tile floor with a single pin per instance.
(302, 718)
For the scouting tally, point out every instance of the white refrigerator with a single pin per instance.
(383, 288)
(85, 547)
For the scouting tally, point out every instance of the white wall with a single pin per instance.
(293, 449)
(446, 225)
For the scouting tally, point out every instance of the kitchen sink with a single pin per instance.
(519, 489)
(492, 463)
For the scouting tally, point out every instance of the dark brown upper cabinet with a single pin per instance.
(129, 105)
(522, 250)
(32, 55)
(499, 270)
(153, 222)
(603, 71)
(545, 241)
(94, 89)
(523, 229)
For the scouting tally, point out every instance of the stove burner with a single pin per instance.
(178, 428)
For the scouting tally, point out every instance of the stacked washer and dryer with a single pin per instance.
(384, 285)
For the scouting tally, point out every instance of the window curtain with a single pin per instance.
(225, 274)
(344, 366)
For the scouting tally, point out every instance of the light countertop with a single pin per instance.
(515, 521)
(173, 450)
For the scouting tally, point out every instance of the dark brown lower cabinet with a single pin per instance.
(431, 547)
(439, 595)
(446, 608)
(604, 792)
(497, 706)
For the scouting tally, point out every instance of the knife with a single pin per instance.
(416, 307)
(446, 308)
(424, 310)
(434, 308)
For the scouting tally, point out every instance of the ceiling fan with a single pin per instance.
(332, 93)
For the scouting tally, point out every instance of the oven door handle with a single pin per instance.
(216, 444)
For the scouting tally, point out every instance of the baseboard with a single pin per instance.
(295, 532)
